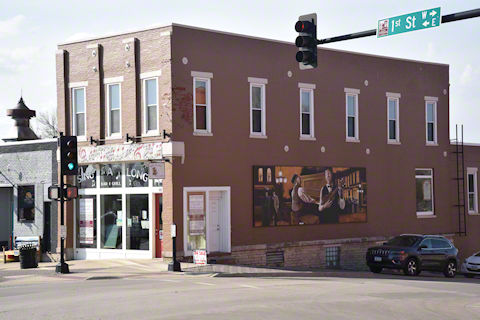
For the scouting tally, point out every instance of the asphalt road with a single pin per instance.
(183, 296)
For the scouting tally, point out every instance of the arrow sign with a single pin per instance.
(409, 22)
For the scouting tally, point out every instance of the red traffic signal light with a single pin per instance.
(304, 26)
(306, 41)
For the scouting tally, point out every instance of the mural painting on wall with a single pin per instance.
(288, 195)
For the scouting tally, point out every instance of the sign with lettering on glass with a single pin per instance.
(137, 175)
(111, 176)
(86, 177)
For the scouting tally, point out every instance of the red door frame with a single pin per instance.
(158, 242)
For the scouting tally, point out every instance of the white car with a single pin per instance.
(471, 266)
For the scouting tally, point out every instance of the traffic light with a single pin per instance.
(68, 155)
(306, 41)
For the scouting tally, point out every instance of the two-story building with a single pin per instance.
(265, 164)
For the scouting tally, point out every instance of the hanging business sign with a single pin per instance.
(156, 170)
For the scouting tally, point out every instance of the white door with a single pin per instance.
(213, 217)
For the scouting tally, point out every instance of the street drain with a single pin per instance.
(103, 278)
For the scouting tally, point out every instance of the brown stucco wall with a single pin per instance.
(227, 157)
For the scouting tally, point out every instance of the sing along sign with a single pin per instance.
(120, 152)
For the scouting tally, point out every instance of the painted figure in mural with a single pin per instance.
(276, 207)
(331, 200)
(268, 209)
(300, 199)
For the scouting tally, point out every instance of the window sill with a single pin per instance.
(394, 142)
(425, 216)
(151, 134)
(354, 140)
(202, 133)
(82, 139)
(431, 144)
(307, 138)
(258, 136)
(115, 137)
(474, 214)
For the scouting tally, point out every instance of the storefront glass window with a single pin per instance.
(196, 227)
(111, 176)
(26, 203)
(87, 177)
(87, 222)
(137, 175)
(138, 224)
(111, 217)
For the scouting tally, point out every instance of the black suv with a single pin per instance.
(414, 253)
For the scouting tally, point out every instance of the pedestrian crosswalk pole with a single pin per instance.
(62, 267)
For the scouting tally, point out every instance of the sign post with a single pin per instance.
(419, 20)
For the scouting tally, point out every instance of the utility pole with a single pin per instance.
(306, 26)
(445, 19)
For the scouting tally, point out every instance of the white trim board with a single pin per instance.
(150, 74)
(77, 84)
(200, 74)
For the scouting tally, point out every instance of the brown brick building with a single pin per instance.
(264, 164)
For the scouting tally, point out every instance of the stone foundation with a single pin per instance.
(306, 254)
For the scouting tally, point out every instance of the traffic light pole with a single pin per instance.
(445, 19)
(62, 267)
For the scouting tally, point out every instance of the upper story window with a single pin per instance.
(431, 119)
(202, 103)
(151, 105)
(351, 98)
(472, 190)
(257, 108)
(114, 109)
(79, 111)
(393, 118)
(424, 191)
(307, 129)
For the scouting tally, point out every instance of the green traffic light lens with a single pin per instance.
(71, 166)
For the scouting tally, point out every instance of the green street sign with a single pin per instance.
(409, 22)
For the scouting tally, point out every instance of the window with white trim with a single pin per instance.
(79, 111)
(306, 112)
(257, 109)
(393, 123)
(151, 105)
(201, 105)
(431, 121)
(472, 190)
(114, 107)
(351, 102)
(424, 192)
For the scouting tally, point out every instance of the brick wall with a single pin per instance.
(305, 254)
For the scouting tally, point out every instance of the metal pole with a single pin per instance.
(62, 267)
(445, 19)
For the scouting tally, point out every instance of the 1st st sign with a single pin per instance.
(409, 22)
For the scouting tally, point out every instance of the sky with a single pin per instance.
(31, 30)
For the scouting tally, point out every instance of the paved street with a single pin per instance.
(129, 294)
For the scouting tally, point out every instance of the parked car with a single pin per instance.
(414, 253)
(471, 266)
